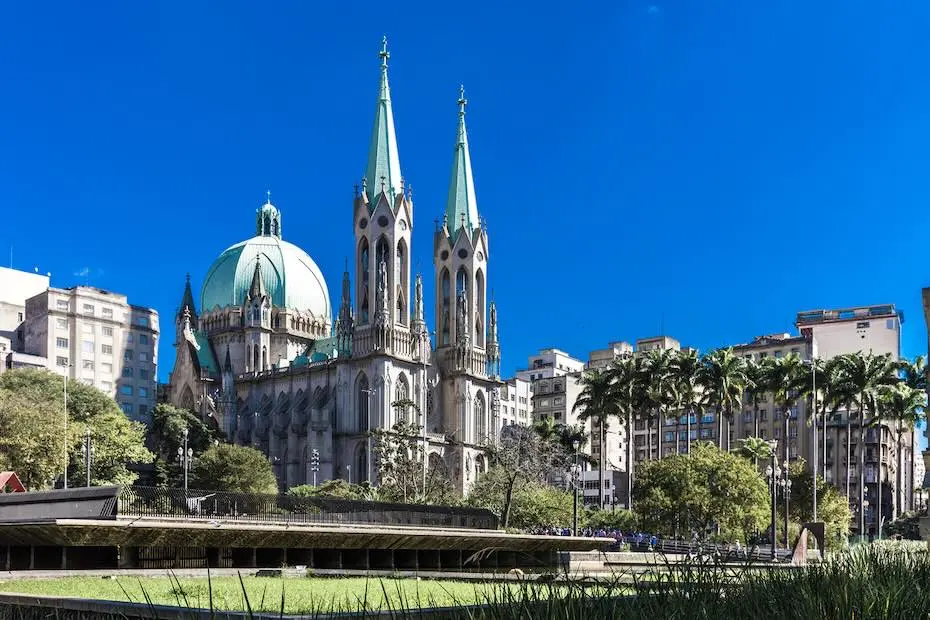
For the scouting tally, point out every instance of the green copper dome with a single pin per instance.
(289, 275)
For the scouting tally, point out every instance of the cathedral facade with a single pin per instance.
(266, 361)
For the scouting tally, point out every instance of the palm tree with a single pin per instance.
(686, 367)
(905, 406)
(915, 373)
(862, 378)
(627, 394)
(915, 377)
(596, 402)
(756, 389)
(659, 395)
(755, 448)
(723, 379)
(785, 378)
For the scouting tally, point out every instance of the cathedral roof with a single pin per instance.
(383, 160)
(462, 206)
(288, 276)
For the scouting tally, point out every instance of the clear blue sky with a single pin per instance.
(706, 169)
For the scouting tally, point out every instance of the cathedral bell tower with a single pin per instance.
(466, 351)
(383, 222)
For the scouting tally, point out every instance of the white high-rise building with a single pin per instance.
(15, 288)
(98, 338)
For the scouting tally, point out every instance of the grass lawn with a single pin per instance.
(301, 595)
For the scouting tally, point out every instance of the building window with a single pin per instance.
(106, 386)
(707, 433)
(557, 400)
(793, 413)
(707, 418)
(61, 323)
(763, 415)
(127, 371)
(88, 364)
(143, 374)
(107, 349)
(89, 309)
(670, 436)
(87, 346)
(777, 354)
(61, 361)
(62, 304)
(143, 321)
(61, 343)
(107, 313)
(143, 392)
(129, 337)
(106, 331)
(126, 407)
(143, 410)
(87, 328)
(143, 339)
(747, 416)
(107, 367)
(125, 390)
(143, 356)
(127, 355)
(544, 402)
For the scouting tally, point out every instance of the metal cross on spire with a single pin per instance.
(384, 53)
(268, 196)
(462, 100)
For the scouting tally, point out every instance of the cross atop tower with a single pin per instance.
(268, 197)
(462, 100)
(384, 53)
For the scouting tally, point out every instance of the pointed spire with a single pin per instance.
(257, 288)
(462, 207)
(187, 300)
(383, 159)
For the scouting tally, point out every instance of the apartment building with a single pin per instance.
(550, 363)
(601, 359)
(98, 338)
(613, 485)
(516, 402)
(15, 288)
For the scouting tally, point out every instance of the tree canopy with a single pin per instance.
(33, 440)
(165, 436)
(532, 504)
(709, 487)
(239, 469)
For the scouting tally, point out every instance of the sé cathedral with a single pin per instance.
(265, 359)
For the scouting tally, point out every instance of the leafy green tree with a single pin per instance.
(232, 468)
(32, 437)
(531, 505)
(723, 379)
(399, 457)
(519, 458)
(117, 442)
(832, 507)
(621, 520)
(165, 437)
(709, 487)
(335, 488)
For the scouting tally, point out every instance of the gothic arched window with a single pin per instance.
(361, 464)
(364, 260)
(481, 421)
(402, 281)
(361, 402)
(445, 319)
(479, 308)
(402, 393)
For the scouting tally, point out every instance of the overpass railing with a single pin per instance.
(152, 502)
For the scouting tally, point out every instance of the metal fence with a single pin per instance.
(224, 506)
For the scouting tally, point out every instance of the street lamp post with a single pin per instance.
(67, 370)
(88, 450)
(368, 456)
(185, 454)
(813, 417)
(575, 475)
(786, 487)
(771, 473)
(314, 463)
